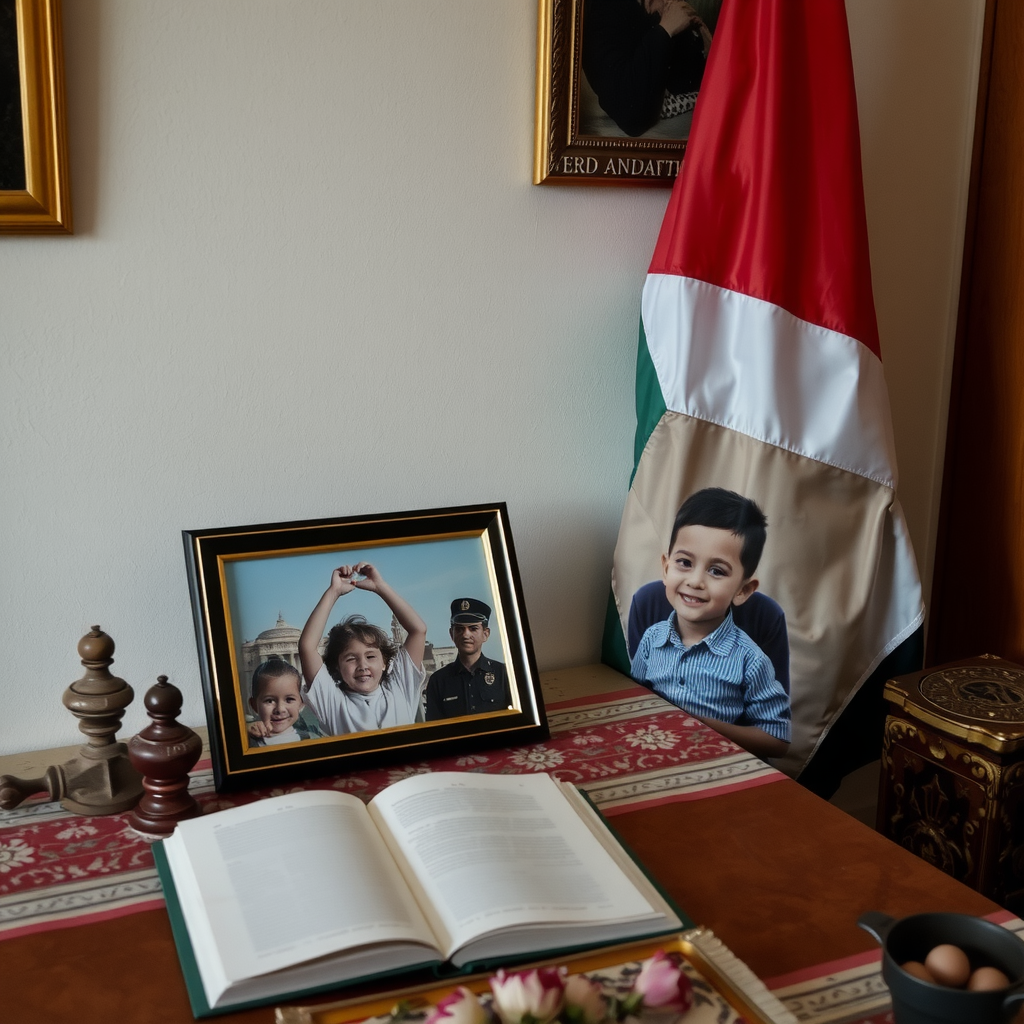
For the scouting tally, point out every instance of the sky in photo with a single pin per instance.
(429, 575)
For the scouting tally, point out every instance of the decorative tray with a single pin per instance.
(725, 990)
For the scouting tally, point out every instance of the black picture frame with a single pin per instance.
(236, 574)
(575, 141)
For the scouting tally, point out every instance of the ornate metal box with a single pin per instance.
(952, 780)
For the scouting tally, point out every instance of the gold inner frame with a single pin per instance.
(228, 626)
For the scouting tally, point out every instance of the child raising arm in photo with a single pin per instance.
(364, 681)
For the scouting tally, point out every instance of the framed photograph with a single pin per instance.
(617, 81)
(35, 192)
(332, 645)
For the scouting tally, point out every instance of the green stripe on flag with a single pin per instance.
(613, 643)
(650, 407)
(650, 402)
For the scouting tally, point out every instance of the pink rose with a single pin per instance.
(584, 1001)
(459, 1007)
(528, 997)
(662, 983)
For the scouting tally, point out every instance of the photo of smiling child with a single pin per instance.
(364, 681)
(698, 658)
(276, 699)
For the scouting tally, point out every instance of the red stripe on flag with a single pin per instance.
(770, 199)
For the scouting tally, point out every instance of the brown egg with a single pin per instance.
(949, 965)
(986, 979)
(918, 970)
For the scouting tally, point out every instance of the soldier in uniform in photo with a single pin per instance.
(473, 684)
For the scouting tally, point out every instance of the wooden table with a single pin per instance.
(777, 873)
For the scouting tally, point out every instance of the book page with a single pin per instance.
(289, 879)
(493, 852)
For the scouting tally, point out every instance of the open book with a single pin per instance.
(452, 871)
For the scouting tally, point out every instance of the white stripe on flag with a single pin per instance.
(769, 374)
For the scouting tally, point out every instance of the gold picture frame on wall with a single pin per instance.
(32, 57)
(604, 116)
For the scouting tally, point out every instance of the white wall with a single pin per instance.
(916, 66)
(310, 277)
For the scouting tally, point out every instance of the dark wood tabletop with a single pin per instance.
(778, 874)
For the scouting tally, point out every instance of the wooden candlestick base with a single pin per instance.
(164, 753)
(99, 779)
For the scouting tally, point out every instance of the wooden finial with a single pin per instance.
(99, 779)
(164, 753)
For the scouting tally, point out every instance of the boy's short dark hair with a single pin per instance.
(272, 668)
(355, 627)
(726, 510)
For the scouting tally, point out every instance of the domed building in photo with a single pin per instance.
(282, 641)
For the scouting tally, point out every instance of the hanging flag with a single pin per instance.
(759, 366)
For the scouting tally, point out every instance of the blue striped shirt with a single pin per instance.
(725, 676)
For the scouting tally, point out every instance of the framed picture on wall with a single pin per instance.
(617, 81)
(332, 645)
(35, 193)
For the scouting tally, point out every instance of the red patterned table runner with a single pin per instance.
(627, 749)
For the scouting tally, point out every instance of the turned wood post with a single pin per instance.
(164, 753)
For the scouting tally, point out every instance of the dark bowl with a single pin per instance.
(920, 1002)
